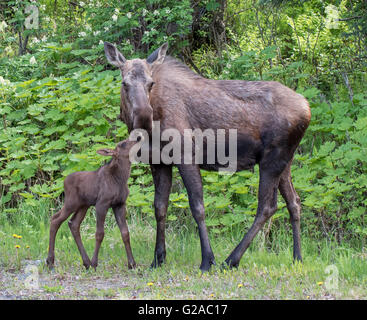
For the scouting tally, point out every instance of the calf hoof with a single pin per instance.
(94, 264)
(94, 267)
(131, 266)
(87, 264)
(50, 263)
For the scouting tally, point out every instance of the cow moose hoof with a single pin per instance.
(159, 259)
(206, 265)
(229, 265)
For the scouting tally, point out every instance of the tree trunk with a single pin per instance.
(210, 31)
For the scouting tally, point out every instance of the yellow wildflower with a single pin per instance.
(211, 295)
(240, 285)
(149, 284)
(17, 246)
(320, 283)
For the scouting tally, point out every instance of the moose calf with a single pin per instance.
(104, 188)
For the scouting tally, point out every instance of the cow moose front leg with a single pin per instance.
(192, 180)
(162, 177)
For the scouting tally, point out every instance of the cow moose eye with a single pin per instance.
(125, 85)
(150, 85)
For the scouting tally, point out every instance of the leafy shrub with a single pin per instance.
(59, 101)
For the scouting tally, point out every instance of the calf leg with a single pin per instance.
(192, 180)
(294, 208)
(162, 176)
(101, 212)
(56, 221)
(267, 205)
(74, 225)
(120, 216)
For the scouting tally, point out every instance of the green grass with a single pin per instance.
(266, 270)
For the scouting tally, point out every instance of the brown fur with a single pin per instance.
(104, 188)
(270, 119)
(203, 103)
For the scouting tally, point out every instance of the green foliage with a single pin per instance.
(137, 24)
(336, 166)
(59, 101)
(49, 127)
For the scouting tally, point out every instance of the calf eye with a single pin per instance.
(123, 145)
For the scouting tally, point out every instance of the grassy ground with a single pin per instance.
(328, 271)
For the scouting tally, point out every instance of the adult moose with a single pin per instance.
(270, 120)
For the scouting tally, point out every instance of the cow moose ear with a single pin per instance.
(157, 56)
(106, 152)
(113, 56)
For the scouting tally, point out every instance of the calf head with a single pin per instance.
(120, 153)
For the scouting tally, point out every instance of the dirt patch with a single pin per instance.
(30, 283)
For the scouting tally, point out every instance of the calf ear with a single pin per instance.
(157, 57)
(106, 152)
(113, 56)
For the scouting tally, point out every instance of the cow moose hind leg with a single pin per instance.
(294, 208)
(267, 205)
